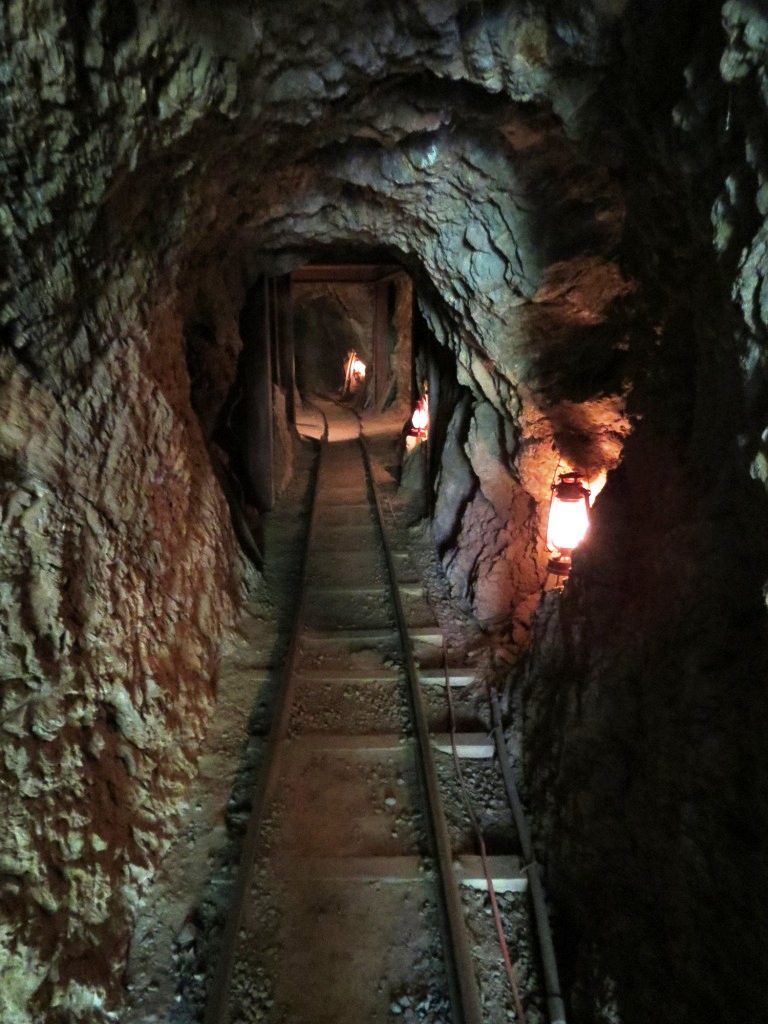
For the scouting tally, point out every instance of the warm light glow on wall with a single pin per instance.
(596, 485)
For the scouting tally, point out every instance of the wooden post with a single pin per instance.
(257, 346)
(287, 350)
(276, 327)
(380, 353)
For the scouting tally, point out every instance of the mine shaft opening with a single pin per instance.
(353, 333)
(347, 329)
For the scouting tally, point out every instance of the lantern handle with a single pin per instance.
(571, 478)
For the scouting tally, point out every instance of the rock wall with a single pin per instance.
(119, 572)
(643, 699)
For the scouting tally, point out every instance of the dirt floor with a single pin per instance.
(181, 919)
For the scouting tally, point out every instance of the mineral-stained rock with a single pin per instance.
(457, 482)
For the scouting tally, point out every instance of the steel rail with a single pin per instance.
(217, 1002)
(462, 981)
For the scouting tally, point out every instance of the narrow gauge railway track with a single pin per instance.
(347, 891)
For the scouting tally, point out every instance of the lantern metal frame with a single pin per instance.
(422, 406)
(569, 489)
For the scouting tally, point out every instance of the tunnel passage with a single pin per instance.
(577, 192)
(346, 308)
(295, 334)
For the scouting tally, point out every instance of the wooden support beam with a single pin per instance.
(506, 872)
(275, 328)
(468, 744)
(456, 676)
(287, 346)
(255, 333)
(381, 369)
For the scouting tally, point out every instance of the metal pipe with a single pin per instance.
(555, 1006)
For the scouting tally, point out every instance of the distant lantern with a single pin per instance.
(568, 521)
(354, 372)
(420, 418)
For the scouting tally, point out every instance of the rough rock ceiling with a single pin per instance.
(291, 132)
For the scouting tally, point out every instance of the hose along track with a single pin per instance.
(347, 895)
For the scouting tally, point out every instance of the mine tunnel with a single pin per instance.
(236, 237)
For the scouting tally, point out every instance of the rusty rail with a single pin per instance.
(462, 982)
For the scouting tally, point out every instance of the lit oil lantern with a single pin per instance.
(568, 521)
(420, 419)
(354, 372)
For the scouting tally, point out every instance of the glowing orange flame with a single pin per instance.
(568, 514)
(354, 372)
(420, 418)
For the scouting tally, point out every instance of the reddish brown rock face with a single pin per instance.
(578, 192)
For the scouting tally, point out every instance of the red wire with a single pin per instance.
(511, 972)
